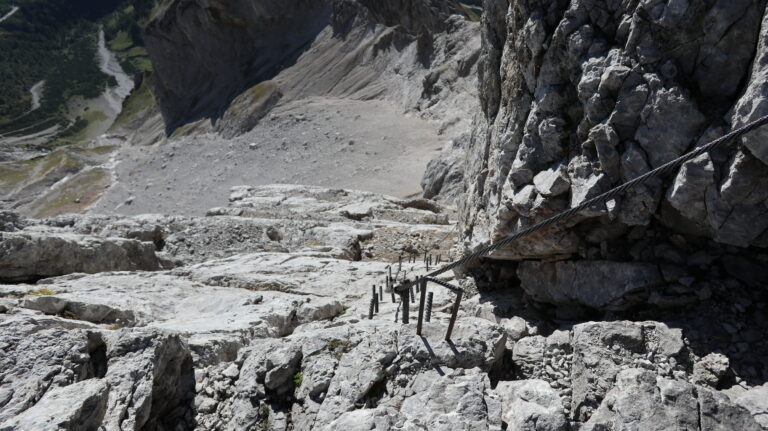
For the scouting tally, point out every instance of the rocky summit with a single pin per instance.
(220, 215)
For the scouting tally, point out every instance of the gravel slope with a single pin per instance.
(364, 145)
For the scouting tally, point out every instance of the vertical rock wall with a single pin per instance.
(204, 53)
(579, 96)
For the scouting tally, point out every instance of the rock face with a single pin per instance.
(83, 378)
(199, 76)
(259, 319)
(32, 256)
(644, 400)
(579, 96)
(417, 56)
(196, 76)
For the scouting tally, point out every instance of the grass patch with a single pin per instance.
(115, 327)
(41, 292)
(84, 129)
(121, 42)
(297, 379)
(264, 414)
(77, 193)
(339, 347)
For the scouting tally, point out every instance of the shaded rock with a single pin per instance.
(151, 381)
(598, 284)
(61, 374)
(10, 221)
(357, 372)
(444, 175)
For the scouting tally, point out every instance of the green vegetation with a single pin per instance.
(264, 414)
(140, 100)
(56, 42)
(339, 347)
(123, 31)
(17, 175)
(76, 194)
(41, 292)
(297, 379)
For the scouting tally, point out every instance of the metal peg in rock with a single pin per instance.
(422, 300)
(404, 303)
(454, 315)
(430, 297)
(370, 309)
(375, 300)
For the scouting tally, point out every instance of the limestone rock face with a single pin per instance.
(531, 404)
(588, 282)
(263, 323)
(60, 377)
(28, 256)
(756, 401)
(602, 349)
(644, 400)
(579, 96)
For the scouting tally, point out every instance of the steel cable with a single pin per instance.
(601, 199)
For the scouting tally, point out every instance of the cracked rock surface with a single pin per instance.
(580, 96)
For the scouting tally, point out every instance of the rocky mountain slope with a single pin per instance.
(127, 348)
(646, 313)
(242, 88)
(257, 317)
(404, 69)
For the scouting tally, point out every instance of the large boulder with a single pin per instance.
(29, 256)
(601, 350)
(531, 404)
(642, 400)
(60, 374)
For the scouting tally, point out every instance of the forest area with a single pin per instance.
(56, 42)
